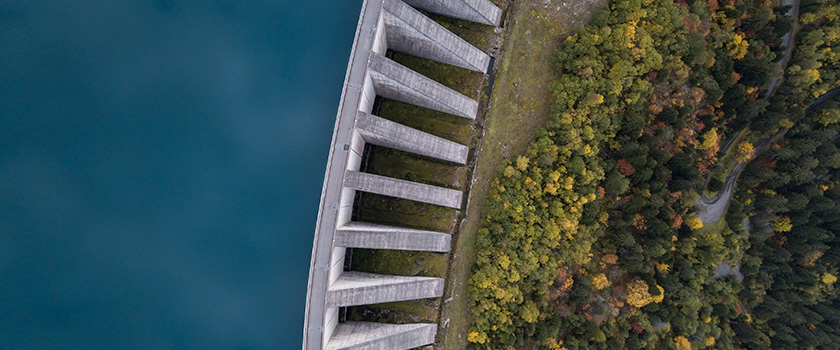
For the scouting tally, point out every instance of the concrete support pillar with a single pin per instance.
(391, 187)
(481, 11)
(385, 133)
(331, 319)
(394, 81)
(382, 336)
(360, 288)
(373, 236)
(411, 32)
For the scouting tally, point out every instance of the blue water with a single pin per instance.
(161, 164)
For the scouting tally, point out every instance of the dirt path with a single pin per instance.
(787, 41)
(710, 211)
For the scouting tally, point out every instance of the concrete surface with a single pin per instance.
(480, 11)
(396, 82)
(411, 32)
(413, 191)
(361, 288)
(383, 132)
(316, 329)
(380, 336)
(374, 236)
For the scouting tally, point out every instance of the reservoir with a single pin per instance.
(161, 165)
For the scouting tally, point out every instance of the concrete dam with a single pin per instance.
(399, 26)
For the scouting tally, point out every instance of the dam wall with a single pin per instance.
(396, 25)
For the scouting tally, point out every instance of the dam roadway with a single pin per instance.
(395, 25)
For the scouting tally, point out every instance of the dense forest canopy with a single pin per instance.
(591, 239)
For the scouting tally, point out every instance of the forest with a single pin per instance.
(594, 239)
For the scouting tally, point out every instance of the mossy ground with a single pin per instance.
(402, 165)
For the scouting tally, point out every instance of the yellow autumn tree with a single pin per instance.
(553, 344)
(710, 340)
(509, 171)
(658, 298)
(710, 139)
(738, 46)
(745, 151)
(682, 343)
(550, 188)
(522, 163)
(477, 337)
(504, 260)
(782, 224)
(566, 280)
(638, 294)
(639, 222)
(694, 222)
(600, 281)
(829, 278)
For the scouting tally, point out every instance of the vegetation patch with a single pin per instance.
(589, 238)
(533, 31)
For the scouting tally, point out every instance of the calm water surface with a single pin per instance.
(161, 163)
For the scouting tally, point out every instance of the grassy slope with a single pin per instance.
(521, 102)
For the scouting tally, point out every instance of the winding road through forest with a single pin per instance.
(711, 210)
(787, 41)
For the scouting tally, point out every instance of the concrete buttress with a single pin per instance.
(360, 288)
(381, 336)
(480, 11)
(411, 32)
(394, 81)
(375, 236)
(391, 187)
(383, 132)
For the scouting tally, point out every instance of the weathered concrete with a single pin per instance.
(385, 133)
(319, 321)
(411, 32)
(374, 236)
(381, 336)
(360, 288)
(394, 81)
(391, 187)
(369, 75)
(480, 11)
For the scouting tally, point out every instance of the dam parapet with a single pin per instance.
(384, 26)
